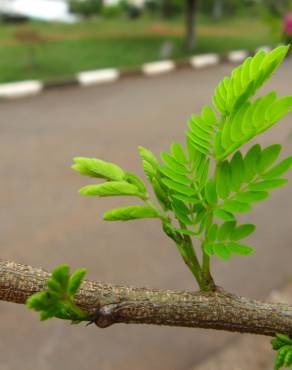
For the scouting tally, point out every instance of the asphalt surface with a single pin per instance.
(44, 222)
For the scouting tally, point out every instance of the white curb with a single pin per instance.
(98, 76)
(19, 89)
(205, 60)
(267, 49)
(151, 69)
(237, 56)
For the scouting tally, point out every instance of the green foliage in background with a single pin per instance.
(201, 187)
(86, 8)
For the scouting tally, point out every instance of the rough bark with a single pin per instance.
(111, 304)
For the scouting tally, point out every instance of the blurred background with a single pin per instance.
(43, 220)
(49, 39)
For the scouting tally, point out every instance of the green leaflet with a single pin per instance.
(267, 184)
(178, 153)
(283, 345)
(97, 168)
(240, 249)
(112, 188)
(279, 170)
(58, 299)
(225, 250)
(148, 156)
(212, 233)
(149, 161)
(210, 193)
(131, 178)
(223, 215)
(223, 180)
(221, 251)
(186, 232)
(237, 168)
(225, 231)
(234, 206)
(75, 281)
(251, 161)
(252, 196)
(246, 79)
(176, 187)
(130, 213)
(268, 156)
(172, 164)
(181, 212)
(161, 194)
(242, 231)
(181, 179)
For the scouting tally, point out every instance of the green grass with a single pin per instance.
(68, 49)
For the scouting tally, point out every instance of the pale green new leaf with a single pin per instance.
(113, 188)
(130, 213)
(136, 181)
(97, 168)
(75, 281)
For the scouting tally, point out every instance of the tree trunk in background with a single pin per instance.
(191, 6)
(166, 9)
(217, 9)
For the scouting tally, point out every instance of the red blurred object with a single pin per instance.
(288, 24)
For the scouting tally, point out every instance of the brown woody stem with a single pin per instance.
(120, 304)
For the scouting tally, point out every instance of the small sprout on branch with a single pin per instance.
(58, 299)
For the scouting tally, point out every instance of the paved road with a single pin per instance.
(43, 221)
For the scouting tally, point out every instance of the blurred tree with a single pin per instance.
(217, 10)
(277, 8)
(190, 16)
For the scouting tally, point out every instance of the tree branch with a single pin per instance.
(120, 304)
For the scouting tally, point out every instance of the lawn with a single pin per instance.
(61, 50)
